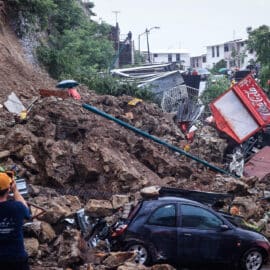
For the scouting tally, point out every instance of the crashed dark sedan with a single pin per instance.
(183, 232)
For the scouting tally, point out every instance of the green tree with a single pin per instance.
(214, 88)
(220, 64)
(34, 10)
(259, 41)
(67, 15)
(77, 51)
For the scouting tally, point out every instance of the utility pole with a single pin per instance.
(147, 31)
(147, 40)
(116, 12)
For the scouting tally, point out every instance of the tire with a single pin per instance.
(143, 255)
(252, 259)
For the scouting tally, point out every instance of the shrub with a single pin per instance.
(214, 88)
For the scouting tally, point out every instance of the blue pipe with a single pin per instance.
(153, 138)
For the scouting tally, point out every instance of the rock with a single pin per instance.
(31, 246)
(95, 256)
(162, 267)
(30, 162)
(236, 186)
(248, 207)
(32, 229)
(152, 191)
(40, 230)
(26, 150)
(4, 154)
(87, 267)
(71, 249)
(57, 207)
(119, 200)
(39, 118)
(132, 266)
(99, 208)
(115, 259)
(47, 232)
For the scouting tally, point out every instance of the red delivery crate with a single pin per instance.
(242, 110)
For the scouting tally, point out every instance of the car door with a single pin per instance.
(201, 238)
(161, 230)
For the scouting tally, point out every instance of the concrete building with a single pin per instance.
(198, 61)
(124, 47)
(234, 52)
(178, 56)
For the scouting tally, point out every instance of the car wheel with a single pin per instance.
(252, 260)
(142, 254)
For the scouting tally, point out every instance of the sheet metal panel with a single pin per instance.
(259, 164)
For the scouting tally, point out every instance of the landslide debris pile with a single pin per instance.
(64, 146)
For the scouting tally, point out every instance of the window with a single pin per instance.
(199, 218)
(155, 55)
(213, 51)
(164, 216)
(178, 57)
(169, 57)
(226, 47)
(217, 51)
(204, 59)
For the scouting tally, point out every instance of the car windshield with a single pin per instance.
(203, 71)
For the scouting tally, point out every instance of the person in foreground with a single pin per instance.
(12, 213)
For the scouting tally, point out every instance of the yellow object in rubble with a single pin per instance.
(187, 147)
(135, 101)
(23, 115)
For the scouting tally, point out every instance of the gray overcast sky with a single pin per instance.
(184, 24)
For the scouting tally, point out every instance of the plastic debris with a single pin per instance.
(13, 104)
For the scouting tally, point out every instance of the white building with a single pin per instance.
(179, 56)
(234, 52)
(198, 61)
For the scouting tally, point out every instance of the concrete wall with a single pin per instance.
(164, 58)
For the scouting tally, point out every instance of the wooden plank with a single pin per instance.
(55, 93)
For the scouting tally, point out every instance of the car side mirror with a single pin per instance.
(224, 227)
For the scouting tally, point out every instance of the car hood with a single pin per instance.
(250, 234)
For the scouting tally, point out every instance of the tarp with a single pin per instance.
(242, 110)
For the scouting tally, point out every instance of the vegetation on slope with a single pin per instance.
(75, 46)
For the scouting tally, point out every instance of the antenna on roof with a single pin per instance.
(116, 12)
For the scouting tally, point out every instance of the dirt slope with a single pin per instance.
(15, 73)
